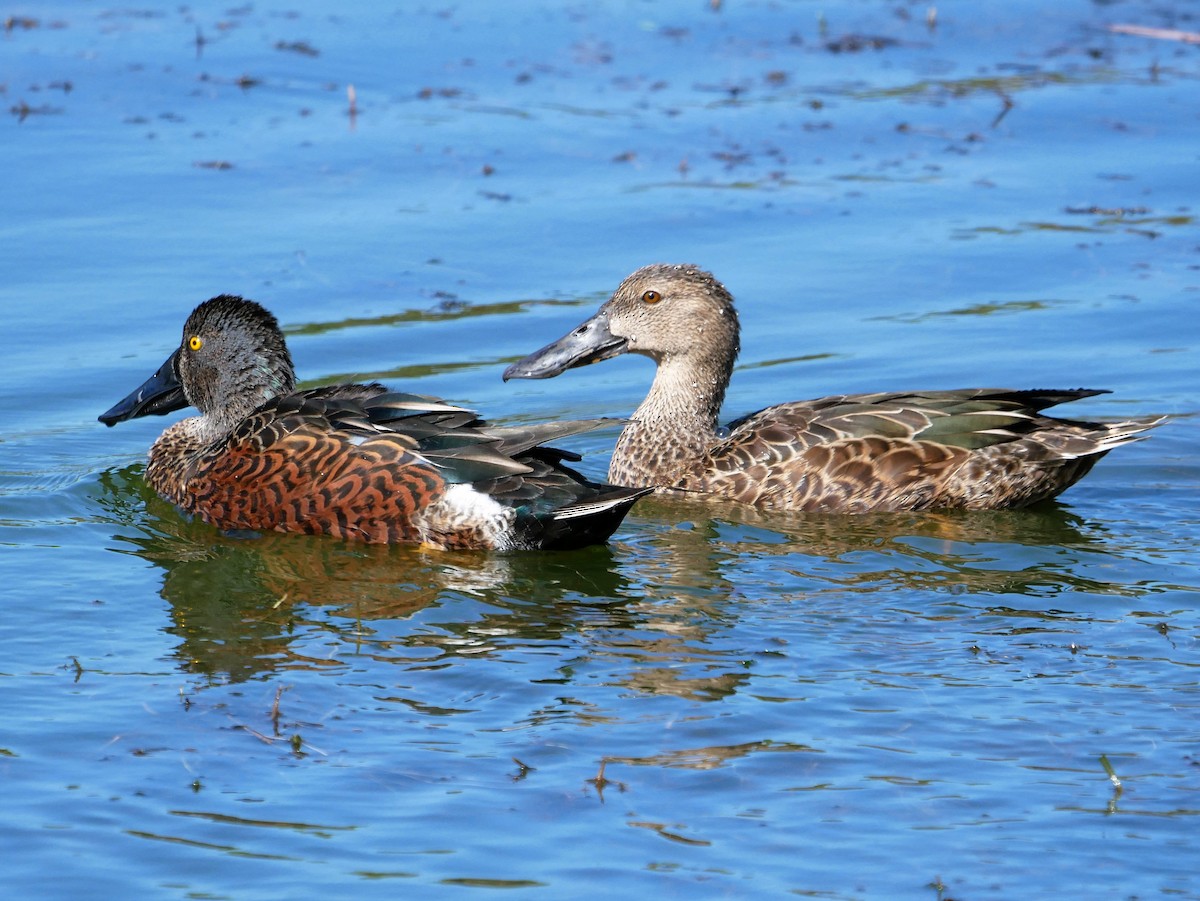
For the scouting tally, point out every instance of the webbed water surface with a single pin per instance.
(718, 703)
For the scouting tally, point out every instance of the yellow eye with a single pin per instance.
(651, 297)
(195, 342)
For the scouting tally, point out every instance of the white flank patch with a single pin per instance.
(475, 504)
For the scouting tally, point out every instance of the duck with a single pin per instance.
(354, 461)
(971, 449)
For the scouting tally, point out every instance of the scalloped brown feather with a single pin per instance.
(304, 479)
(970, 449)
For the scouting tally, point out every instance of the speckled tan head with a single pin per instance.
(665, 312)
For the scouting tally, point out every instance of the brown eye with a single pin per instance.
(651, 297)
(195, 342)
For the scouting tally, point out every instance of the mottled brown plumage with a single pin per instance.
(974, 448)
(353, 461)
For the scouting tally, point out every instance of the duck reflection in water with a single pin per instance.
(244, 606)
(663, 611)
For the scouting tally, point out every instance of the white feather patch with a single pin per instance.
(466, 500)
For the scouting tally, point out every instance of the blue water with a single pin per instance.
(718, 703)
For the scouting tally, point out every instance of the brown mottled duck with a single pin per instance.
(974, 448)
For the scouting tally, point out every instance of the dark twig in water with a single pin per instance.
(523, 770)
(856, 43)
(265, 739)
(1117, 787)
(940, 887)
(602, 782)
(297, 743)
(1117, 212)
(1112, 775)
(275, 707)
(1008, 104)
(25, 22)
(23, 110)
(301, 47)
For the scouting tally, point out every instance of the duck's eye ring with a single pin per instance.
(195, 342)
(651, 297)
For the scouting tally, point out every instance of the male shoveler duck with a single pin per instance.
(354, 461)
(975, 449)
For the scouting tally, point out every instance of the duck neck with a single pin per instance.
(670, 432)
